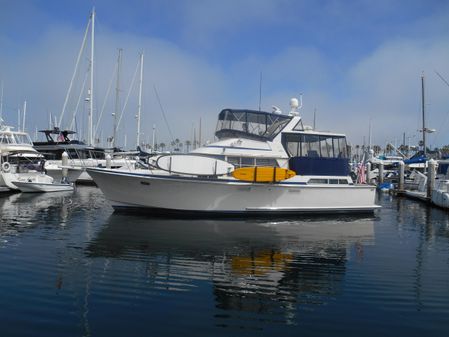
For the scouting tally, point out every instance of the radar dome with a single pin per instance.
(294, 103)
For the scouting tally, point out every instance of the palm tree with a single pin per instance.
(162, 146)
(188, 144)
(376, 149)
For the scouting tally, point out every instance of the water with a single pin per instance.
(69, 266)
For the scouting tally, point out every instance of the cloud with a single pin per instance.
(203, 56)
(188, 87)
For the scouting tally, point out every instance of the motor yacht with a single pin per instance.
(247, 138)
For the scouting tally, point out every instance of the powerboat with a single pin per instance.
(80, 155)
(246, 138)
(22, 167)
(17, 156)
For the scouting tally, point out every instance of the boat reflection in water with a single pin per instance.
(257, 270)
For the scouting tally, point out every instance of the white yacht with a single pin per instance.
(18, 158)
(249, 138)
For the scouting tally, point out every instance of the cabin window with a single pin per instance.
(340, 147)
(342, 181)
(266, 162)
(250, 124)
(299, 126)
(234, 161)
(326, 147)
(317, 181)
(315, 146)
(293, 149)
(333, 181)
(247, 161)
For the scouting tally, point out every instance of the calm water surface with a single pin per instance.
(69, 266)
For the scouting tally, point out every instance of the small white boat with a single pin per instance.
(39, 187)
(34, 181)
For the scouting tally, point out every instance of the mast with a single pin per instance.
(369, 135)
(1, 103)
(423, 116)
(314, 118)
(91, 90)
(18, 119)
(80, 53)
(139, 109)
(199, 135)
(117, 97)
(24, 115)
(154, 137)
(260, 90)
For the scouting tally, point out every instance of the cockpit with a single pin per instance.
(258, 125)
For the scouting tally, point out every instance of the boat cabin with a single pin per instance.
(317, 153)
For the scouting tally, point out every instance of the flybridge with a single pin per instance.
(258, 125)
(62, 135)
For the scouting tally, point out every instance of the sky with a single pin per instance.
(356, 63)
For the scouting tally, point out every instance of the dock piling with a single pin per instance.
(368, 173)
(380, 179)
(108, 161)
(401, 176)
(65, 163)
(431, 174)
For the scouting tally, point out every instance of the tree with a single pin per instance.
(376, 149)
(162, 146)
(188, 144)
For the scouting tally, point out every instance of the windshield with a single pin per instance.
(250, 124)
(15, 138)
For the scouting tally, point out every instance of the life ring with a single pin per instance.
(6, 167)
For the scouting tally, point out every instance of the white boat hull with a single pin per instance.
(34, 187)
(176, 194)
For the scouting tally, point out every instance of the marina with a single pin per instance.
(269, 168)
(73, 267)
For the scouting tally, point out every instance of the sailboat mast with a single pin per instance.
(117, 97)
(139, 110)
(423, 116)
(154, 137)
(1, 103)
(91, 91)
(18, 119)
(24, 115)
